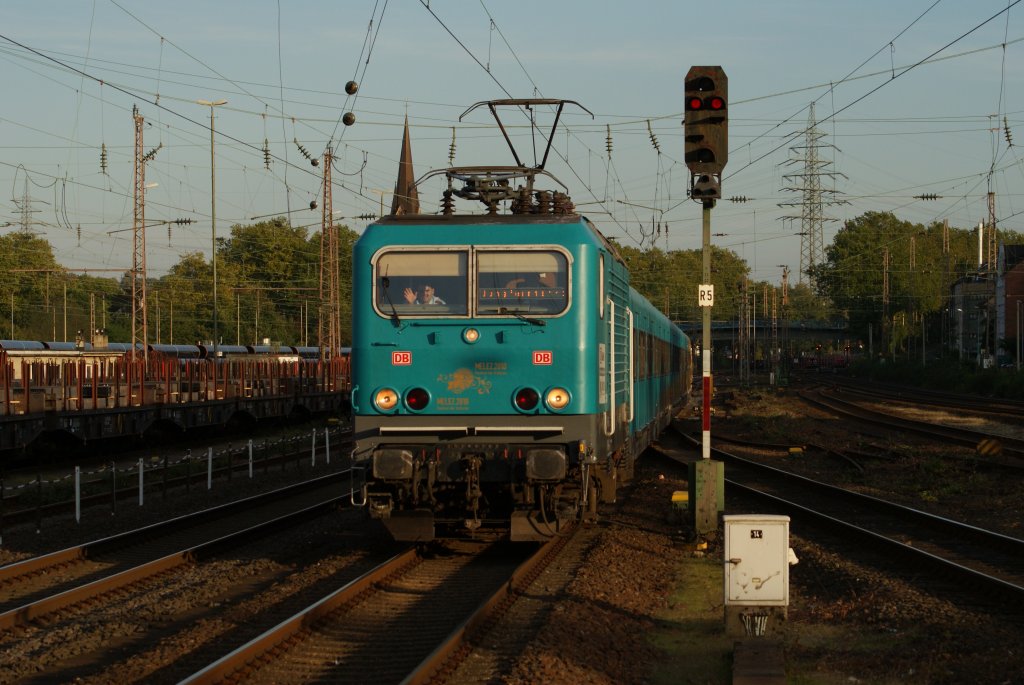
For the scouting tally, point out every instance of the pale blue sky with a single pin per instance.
(936, 128)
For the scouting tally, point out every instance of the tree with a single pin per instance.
(268, 283)
(670, 279)
(27, 268)
(919, 272)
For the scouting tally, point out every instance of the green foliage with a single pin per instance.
(669, 280)
(268, 286)
(268, 278)
(920, 271)
(948, 375)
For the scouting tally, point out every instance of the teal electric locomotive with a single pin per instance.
(505, 376)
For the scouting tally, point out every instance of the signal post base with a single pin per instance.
(707, 494)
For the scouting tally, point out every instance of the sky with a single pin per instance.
(911, 98)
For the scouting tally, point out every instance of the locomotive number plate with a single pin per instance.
(542, 357)
(399, 358)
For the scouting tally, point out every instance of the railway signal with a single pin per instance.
(706, 130)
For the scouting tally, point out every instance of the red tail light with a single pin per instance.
(527, 399)
(417, 399)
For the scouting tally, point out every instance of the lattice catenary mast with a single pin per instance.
(813, 197)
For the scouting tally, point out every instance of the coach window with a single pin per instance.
(532, 282)
(421, 283)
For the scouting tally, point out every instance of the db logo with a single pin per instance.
(542, 357)
(401, 358)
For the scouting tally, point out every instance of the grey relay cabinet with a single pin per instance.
(757, 559)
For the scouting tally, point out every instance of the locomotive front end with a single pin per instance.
(469, 392)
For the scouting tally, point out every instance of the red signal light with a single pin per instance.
(694, 104)
(717, 103)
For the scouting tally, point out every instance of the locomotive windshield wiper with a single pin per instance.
(527, 319)
(385, 282)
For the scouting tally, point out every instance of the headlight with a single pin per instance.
(557, 398)
(386, 399)
(471, 335)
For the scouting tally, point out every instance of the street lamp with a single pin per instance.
(213, 218)
(1020, 327)
(960, 333)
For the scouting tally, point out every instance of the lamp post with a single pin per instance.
(1020, 327)
(213, 218)
(960, 333)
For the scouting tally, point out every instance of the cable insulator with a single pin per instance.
(654, 138)
(608, 140)
(543, 202)
(152, 153)
(266, 154)
(451, 149)
(521, 203)
(103, 158)
(303, 151)
(1007, 132)
(738, 198)
(562, 204)
(928, 196)
(447, 203)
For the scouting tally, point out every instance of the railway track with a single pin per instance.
(1008, 453)
(977, 559)
(286, 452)
(990, 406)
(39, 586)
(166, 615)
(408, 620)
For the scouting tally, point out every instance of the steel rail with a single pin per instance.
(971, 576)
(29, 612)
(444, 658)
(1011, 447)
(40, 563)
(227, 665)
(33, 610)
(1004, 543)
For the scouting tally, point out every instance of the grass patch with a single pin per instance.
(691, 632)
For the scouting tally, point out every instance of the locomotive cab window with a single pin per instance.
(532, 282)
(421, 283)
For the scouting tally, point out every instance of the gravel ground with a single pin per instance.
(621, 620)
(646, 607)
(626, 619)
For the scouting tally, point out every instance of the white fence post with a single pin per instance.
(312, 451)
(327, 445)
(250, 458)
(140, 481)
(78, 494)
(209, 469)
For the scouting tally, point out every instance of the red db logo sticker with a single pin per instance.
(542, 357)
(401, 358)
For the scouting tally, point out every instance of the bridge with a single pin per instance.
(807, 330)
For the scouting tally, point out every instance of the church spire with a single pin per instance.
(405, 200)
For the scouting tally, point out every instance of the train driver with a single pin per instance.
(428, 297)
